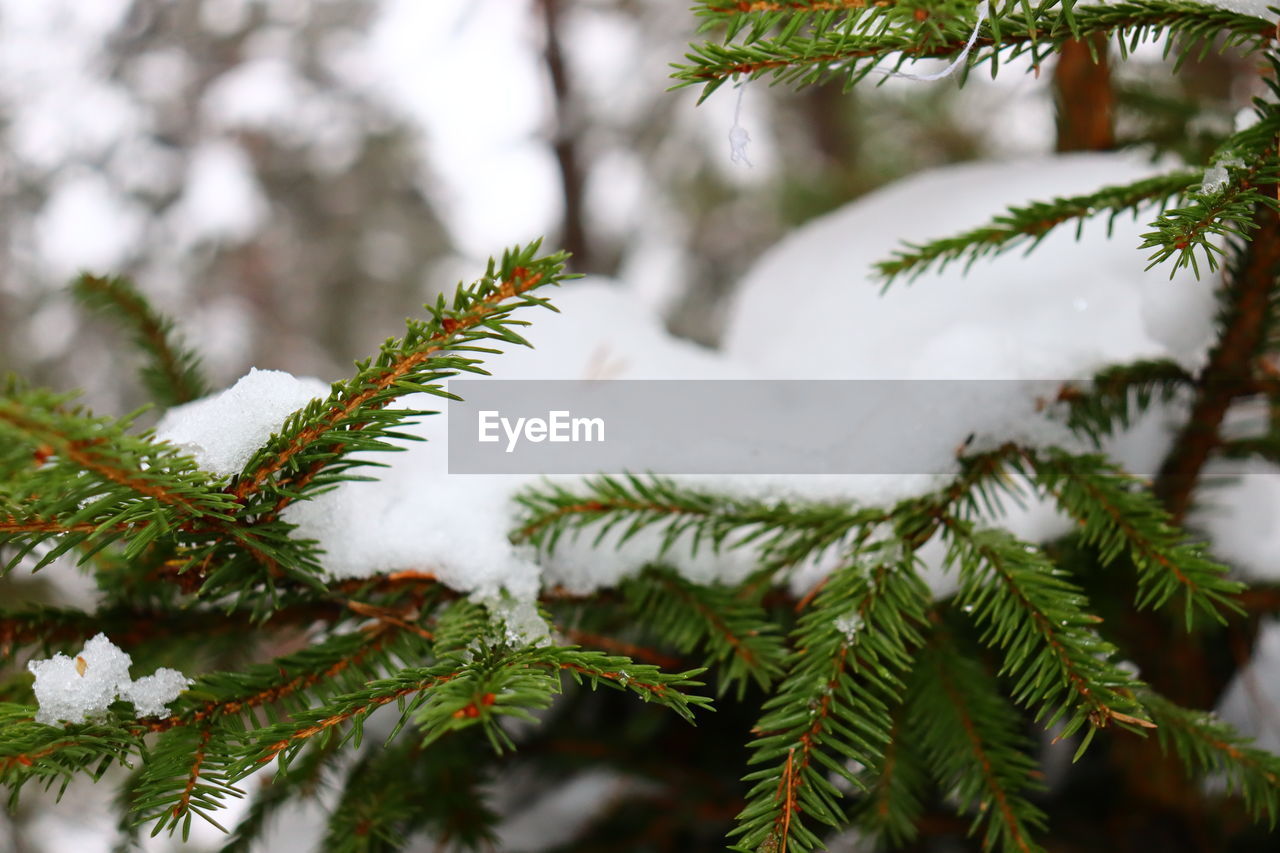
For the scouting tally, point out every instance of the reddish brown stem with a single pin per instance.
(1229, 371)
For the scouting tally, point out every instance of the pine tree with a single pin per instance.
(865, 705)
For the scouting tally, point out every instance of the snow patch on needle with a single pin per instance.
(1216, 177)
(224, 430)
(75, 690)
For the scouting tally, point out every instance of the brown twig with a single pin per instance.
(1229, 371)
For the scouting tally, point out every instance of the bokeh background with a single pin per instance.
(291, 178)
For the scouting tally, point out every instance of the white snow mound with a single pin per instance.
(223, 430)
(809, 309)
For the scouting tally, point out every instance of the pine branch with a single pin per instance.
(1229, 210)
(184, 773)
(973, 742)
(30, 750)
(1118, 515)
(89, 482)
(173, 374)
(1117, 394)
(832, 708)
(895, 786)
(784, 532)
(1026, 608)
(735, 633)
(1247, 312)
(800, 59)
(319, 439)
(1027, 225)
(1210, 748)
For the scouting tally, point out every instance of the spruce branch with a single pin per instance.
(172, 374)
(1027, 608)
(184, 774)
(832, 710)
(1118, 515)
(754, 19)
(400, 790)
(736, 634)
(983, 480)
(302, 780)
(1227, 211)
(319, 445)
(973, 743)
(465, 689)
(785, 532)
(1027, 225)
(30, 750)
(1209, 747)
(1116, 395)
(1204, 215)
(88, 481)
(896, 786)
(1181, 232)
(320, 438)
(340, 662)
(619, 673)
(189, 769)
(1245, 323)
(798, 58)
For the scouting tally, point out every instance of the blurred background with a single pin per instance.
(291, 178)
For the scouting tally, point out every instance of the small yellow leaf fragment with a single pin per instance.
(81, 664)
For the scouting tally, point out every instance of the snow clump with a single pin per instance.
(222, 431)
(74, 690)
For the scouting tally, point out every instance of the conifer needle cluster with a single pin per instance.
(865, 704)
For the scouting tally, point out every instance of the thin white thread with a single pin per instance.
(738, 136)
(955, 63)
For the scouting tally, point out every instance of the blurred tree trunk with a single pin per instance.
(573, 238)
(1085, 99)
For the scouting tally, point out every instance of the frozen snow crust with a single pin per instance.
(809, 308)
